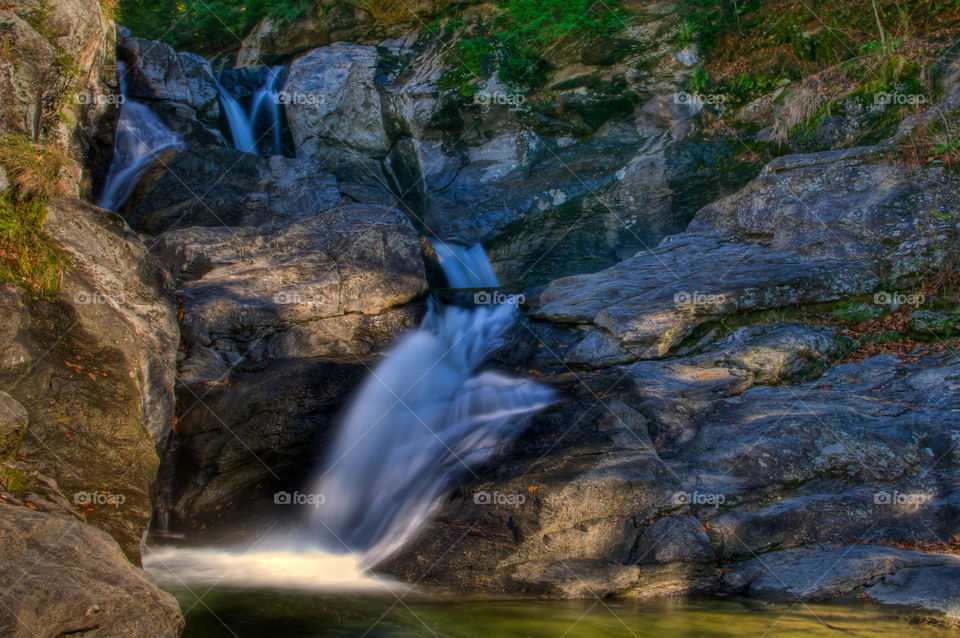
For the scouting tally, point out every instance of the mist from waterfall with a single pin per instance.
(140, 138)
(424, 419)
(264, 107)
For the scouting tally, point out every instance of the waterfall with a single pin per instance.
(243, 125)
(241, 128)
(265, 100)
(140, 138)
(423, 419)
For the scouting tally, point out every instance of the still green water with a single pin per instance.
(282, 614)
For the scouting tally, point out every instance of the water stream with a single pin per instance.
(140, 138)
(263, 116)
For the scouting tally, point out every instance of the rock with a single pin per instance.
(178, 87)
(238, 444)
(932, 589)
(221, 187)
(35, 99)
(271, 42)
(579, 578)
(63, 577)
(320, 287)
(103, 354)
(937, 324)
(336, 102)
(580, 485)
(13, 422)
(674, 539)
(157, 73)
(801, 250)
(887, 574)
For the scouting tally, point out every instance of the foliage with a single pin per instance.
(203, 26)
(514, 42)
(27, 255)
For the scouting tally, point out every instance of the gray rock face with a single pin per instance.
(157, 73)
(810, 229)
(926, 582)
(320, 287)
(336, 114)
(87, 584)
(221, 187)
(931, 588)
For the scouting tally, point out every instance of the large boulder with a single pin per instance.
(103, 353)
(41, 45)
(336, 114)
(61, 577)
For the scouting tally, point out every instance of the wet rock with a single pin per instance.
(88, 586)
(933, 589)
(887, 574)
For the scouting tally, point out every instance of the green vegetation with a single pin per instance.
(203, 26)
(27, 255)
(516, 41)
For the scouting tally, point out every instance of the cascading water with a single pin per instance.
(241, 128)
(140, 138)
(424, 418)
(264, 107)
(266, 102)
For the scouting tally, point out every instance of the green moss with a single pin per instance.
(27, 255)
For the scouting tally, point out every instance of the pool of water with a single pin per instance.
(233, 613)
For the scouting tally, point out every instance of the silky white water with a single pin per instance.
(423, 419)
(426, 417)
(140, 138)
(264, 106)
(241, 128)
